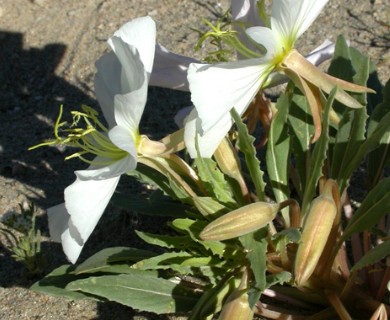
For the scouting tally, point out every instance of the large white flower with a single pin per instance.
(170, 69)
(216, 89)
(121, 85)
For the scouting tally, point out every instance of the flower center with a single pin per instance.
(87, 134)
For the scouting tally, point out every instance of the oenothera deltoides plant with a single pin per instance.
(270, 233)
(121, 85)
(235, 84)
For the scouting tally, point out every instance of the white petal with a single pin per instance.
(122, 137)
(107, 84)
(216, 89)
(181, 116)
(291, 18)
(322, 53)
(208, 143)
(245, 14)
(267, 38)
(58, 221)
(72, 222)
(132, 74)
(246, 11)
(59, 227)
(140, 33)
(85, 201)
(72, 248)
(97, 171)
(129, 107)
(170, 69)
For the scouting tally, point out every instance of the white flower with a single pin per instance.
(170, 69)
(121, 85)
(216, 89)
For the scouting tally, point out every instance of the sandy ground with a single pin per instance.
(47, 54)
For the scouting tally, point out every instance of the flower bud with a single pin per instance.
(236, 306)
(228, 162)
(316, 230)
(241, 221)
(227, 159)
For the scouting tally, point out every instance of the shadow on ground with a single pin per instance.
(30, 96)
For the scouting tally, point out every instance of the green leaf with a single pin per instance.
(341, 67)
(211, 300)
(148, 175)
(372, 142)
(318, 156)
(106, 257)
(379, 158)
(277, 156)
(246, 146)
(349, 138)
(278, 278)
(193, 228)
(165, 261)
(171, 242)
(207, 206)
(255, 244)
(376, 254)
(55, 282)
(214, 180)
(139, 290)
(181, 262)
(301, 130)
(375, 205)
(291, 234)
(351, 131)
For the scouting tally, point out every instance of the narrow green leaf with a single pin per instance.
(301, 130)
(376, 254)
(351, 131)
(277, 156)
(318, 156)
(209, 207)
(139, 290)
(375, 205)
(181, 262)
(290, 234)
(193, 228)
(171, 242)
(55, 282)
(341, 67)
(379, 158)
(278, 278)
(168, 260)
(349, 138)
(211, 300)
(105, 257)
(372, 142)
(256, 244)
(214, 180)
(245, 144)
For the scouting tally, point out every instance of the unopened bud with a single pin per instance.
(241, 221)
(236, 306)
(316, 230)
(227, 159)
